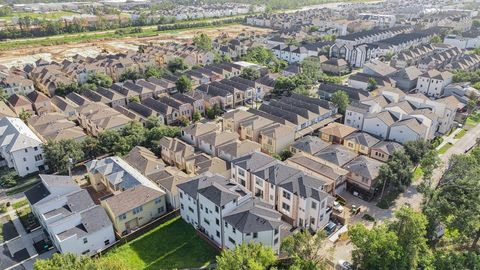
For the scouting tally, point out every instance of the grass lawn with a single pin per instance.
(171, 245)
(460, 134)
(19, 204)
(444, 148)
(417, 173)
(473, 119)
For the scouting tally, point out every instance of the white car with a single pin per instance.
(337, 207)
(344, 265)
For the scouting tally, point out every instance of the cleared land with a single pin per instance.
(172, 245)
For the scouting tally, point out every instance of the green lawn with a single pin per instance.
(417, 173)
(444, 148)
(473, 119)
(460, 134)
(171, 245)
(19, 204)
(24, 185)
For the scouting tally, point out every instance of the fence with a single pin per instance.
(208, 240)
(140, 231)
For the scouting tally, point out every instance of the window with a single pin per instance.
(231, 240)
(312, 221)
(158, 200)
(137, 210)
(86, 251)
(226, 225)
(206, 221)
(216, 209)
(124, 216)
(35, 148)
(255, 235)
(26, 150)
(314, 205)
(275, 241)
(27, 168)
(38, 157)
(181, 195)
(276, 231)
(161, 210)
(24, 159)
(217, 221)
(286, 207)
(258, 181)
(286, 195)
(106, 242)
(85, 240)
(234, 230)
(181, 206)
(241, 172)
(218, 234)
(191, 209)
(201, 206)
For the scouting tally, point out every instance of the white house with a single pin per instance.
(20, 147)
(227, 213)
(379, 124)
(433, 82)
(69, 216)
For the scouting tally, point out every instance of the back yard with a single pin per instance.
(171, 245)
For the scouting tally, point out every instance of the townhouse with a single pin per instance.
(362, 176)
(227, 213)
(97, 117)
(133, 199)
(69, 216)
(20, 104)
(55, 127)
(20, 147)
(299, 197)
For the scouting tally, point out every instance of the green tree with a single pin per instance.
(203, 42)
(3, 95)
(152, 121)
(436, 39)
(184, 84)
(91, 147)
(311, 68)
(25, 115)
(374, 249)
(250, 74)
(60, 155)
(64, 261)
(100, 79)
(65, 89)
(448, 260)
(107, 140)
(155, 72)
(130, 74)
(340, 100)
(134, 99)
(252, 256)
(429, 163)
(304, 248)
(284, 84)
(397, 172)
(176, 64)
(196, 116)
(372, 84)
(285, 154)
(416, 150)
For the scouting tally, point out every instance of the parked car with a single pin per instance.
(344, 265)
(330, 228)
(337, 207)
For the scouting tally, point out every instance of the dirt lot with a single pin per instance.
(16, 57)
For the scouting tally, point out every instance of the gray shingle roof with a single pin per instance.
(254, 216)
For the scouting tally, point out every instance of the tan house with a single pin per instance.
(56, 126)
(360, 142)
(335, 66)
(40, 102)
(5, 110)
(362, 175)
(336, 132)
(309, 145)
(384, 150)
(144, 160)
(192, 132)
(176, 152)
(96, 117)
(19, 104)
(276, 138)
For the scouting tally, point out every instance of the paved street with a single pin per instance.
(411, 196)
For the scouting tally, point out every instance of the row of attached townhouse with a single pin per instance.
(15, 81)
(69, 216)
(299, 197)
(228, 213)
(402, 117)
(34, 102)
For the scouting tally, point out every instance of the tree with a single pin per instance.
(301, 90)
(25, 115)
(152, 121)
(196, 116)
(372, 84)
(250, 74)
(285, 154)
(436, 39)
(340, 100)
(155, 72)
(416, 150)
(65, 89)
(100, 79)
(3, 95)
(176, 64)
(252, 256)
(304, 248)
(134, 99)
(284, 84)
(107, 140)
(62, 154)
(130, 74)
(184, 84)
(397, 171)
(448, 260)
(311, 68)
(203, 42)
(429, 163)
(64, 261)
(91, 147)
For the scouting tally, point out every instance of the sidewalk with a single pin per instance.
(25, 237)
(449, 139)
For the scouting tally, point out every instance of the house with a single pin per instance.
(16, 84)
(308, 144)
(191, 133)
(69, 216)
(360, 142)
(227, 213)
(326, 90)
(5, 110)
(299, 197)
(384, 150)
(144, 161)
(336, 154)
(376, 67)
(167, 180)
(233, 150)
(379, 124)
(406, 78)
(433, 82)
(210, 142)
(20, 104)
(362, 176)
(97, 117)
(185, 110)
(363, 81)
(65, 106)
(408, 129)
(336, 66)
(55, 127)
(40, 102)
(134, 200)
(336, 132)
(168, 113)
(20, 147)
(176, 152)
